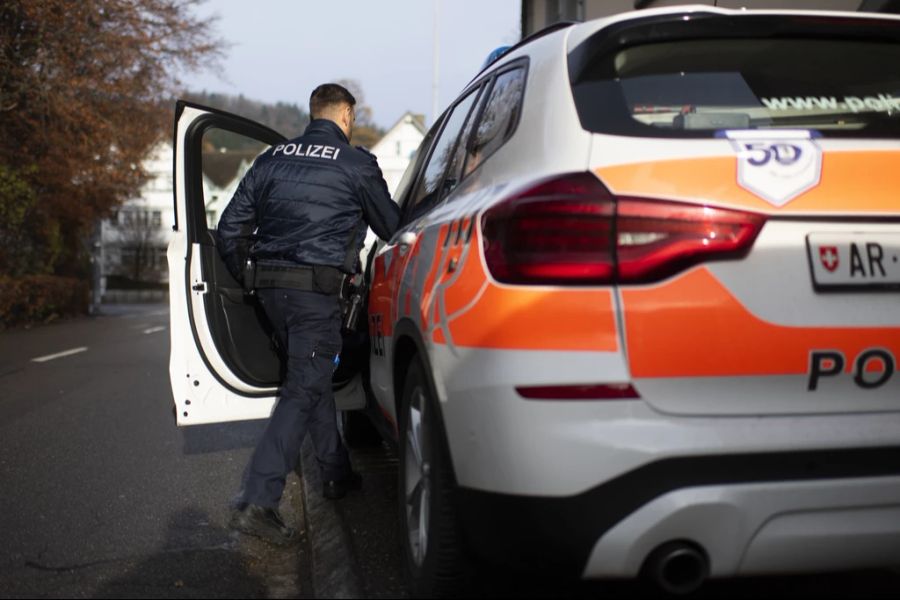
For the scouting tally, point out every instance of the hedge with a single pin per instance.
(41, 299)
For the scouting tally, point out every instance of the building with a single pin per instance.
(537, 14)
(134, 239)
(397, 147)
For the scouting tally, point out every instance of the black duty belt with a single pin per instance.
(322, 279)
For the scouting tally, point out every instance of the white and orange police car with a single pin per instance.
(643, 312)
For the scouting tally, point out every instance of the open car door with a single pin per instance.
(224, 365)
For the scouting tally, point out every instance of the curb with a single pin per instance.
(334, 567)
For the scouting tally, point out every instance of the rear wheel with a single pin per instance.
(430, 530)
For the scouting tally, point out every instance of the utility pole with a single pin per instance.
(97, 257)
(437, 62)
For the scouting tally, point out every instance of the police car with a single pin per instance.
(641, 316)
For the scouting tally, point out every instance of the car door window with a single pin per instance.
(429, 190)
(498, 119)
(402, 193)
(226, 156)
(455, 173)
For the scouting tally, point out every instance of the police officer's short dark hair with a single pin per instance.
(327, 95)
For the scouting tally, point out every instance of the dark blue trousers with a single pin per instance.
(308, 326)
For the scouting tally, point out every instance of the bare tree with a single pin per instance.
(366, 132)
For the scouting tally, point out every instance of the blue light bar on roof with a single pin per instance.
(494, 55)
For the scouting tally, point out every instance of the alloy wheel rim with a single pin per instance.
(417, 484)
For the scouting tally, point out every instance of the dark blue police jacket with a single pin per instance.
(308, 200)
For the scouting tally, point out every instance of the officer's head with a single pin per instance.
(333, 102)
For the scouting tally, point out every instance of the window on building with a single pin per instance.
(564, 10)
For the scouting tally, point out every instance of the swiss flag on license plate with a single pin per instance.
(829, 257)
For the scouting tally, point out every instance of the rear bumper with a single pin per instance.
(590, 488)
(501, 442)
(751, 513)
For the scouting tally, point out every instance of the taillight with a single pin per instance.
(657, 239)
(559, 231)
(571, 230)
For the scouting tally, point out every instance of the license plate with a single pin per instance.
(854, 261)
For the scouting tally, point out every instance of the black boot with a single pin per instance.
(264, 523)
(335, 489)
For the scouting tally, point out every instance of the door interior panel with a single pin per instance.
(238, 324)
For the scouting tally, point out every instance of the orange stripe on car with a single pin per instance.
(535, 319)
(859, 182)
(470, 281)
(435, 264)
(693, 326)
(525, 318)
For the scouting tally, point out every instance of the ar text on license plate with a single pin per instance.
(854, 260)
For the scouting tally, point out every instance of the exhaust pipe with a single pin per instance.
(677, 567)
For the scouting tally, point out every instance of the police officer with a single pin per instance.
(300, 213)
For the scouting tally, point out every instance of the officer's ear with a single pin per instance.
(349, 118)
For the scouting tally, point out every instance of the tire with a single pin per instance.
(435, 559)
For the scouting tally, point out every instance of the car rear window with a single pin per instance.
(697, 87)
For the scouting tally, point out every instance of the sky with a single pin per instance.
(280, 50)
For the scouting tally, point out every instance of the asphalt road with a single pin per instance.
(102, 496)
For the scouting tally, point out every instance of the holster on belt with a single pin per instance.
(248, 280)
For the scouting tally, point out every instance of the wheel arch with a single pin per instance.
(409, 344)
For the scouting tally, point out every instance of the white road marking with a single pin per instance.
(41, 359)
(154, 329)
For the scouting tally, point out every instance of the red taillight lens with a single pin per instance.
(656, 239)
(571, 230)
(559, 231)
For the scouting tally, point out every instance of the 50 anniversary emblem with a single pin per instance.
(777, 166)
